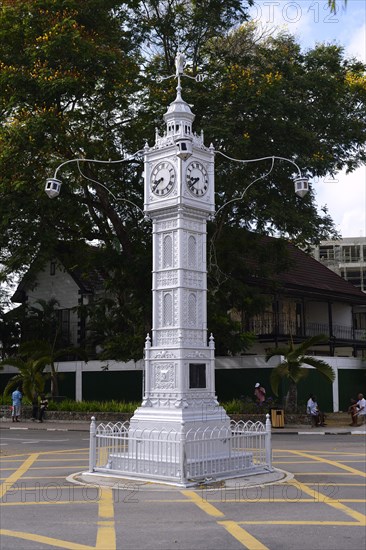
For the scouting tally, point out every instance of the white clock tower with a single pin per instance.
(179, 356)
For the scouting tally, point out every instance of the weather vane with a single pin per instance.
(180, 64)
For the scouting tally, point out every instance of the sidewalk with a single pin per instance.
(83, 426)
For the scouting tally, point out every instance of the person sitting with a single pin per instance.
(42, 407)
(361, 409)
(352, 409)
(312, 409)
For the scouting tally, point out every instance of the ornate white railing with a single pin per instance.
(181, 457)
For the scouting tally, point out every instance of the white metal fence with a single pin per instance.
(181, 457)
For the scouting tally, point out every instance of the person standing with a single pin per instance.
(35, 406)
(42, 407)
(260, 393)
(16, 397)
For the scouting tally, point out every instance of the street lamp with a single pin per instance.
(53, 185)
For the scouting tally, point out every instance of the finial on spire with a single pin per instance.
(180, 63)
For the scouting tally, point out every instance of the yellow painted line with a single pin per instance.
(65, 466)
(298, 501)
(289, 522)
(59, 459)
(339, 484)
(331, 463)
(45, 540)
(202, 504)
(27, 478)
(13, 478)
(292, 461)
(48, 502)
(54, 486)
(318, 453)
(106, 535)
(319, 497)
(245, 538)
(326, 473)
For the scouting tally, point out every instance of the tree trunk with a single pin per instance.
(291, 398)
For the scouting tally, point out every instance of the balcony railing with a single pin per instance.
(282, 325)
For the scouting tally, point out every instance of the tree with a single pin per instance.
(44, 353)
(291, 368)
(29, 377)
(79, 79)
(333, 4)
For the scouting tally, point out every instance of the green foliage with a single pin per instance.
(29, 378)
(79, 80)
(291, 367)
(93, 406)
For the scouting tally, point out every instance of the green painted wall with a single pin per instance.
(235, 383)
(107, 385)
(351, 383)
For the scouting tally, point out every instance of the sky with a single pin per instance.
(311, 22)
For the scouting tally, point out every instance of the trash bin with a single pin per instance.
(277, 418)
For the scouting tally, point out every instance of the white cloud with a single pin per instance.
(345, 197)
(312, 22)
(357, 45)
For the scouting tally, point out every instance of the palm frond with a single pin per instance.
(279, 372)
(276, 351)
(310, 342)
(321, 366)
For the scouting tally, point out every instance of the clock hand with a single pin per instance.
(156, 183)
(193, 182)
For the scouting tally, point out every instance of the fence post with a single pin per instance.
(92, 444)
(268, 443)
(183, 456)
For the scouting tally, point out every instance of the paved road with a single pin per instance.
(321, 507)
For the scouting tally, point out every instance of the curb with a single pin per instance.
(275, 431)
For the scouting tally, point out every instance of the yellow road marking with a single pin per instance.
(242, 536)
(331, 463)
(205, 506)
(361, 518)
(326, 473)
(45, 540)
(57, 467)
(13, 478)
(341, 484)
(106, 536)
(48, 502)
(351, 461)
(317, 453)
(290, 522)
(62, 459)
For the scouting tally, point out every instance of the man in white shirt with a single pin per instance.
(317, 417)
(361, 407)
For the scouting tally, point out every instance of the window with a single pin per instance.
(167, 310)
(197, 375)
(353, 276)
(63, 318)
(192, 310)
(351, 253)
(192, 252)
(326, 252)
(168, 251)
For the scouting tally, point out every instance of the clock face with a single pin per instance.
(162, 178)
(197, 179)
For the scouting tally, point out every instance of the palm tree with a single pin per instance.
(291, 368)
(29, 378)
(45, 353)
